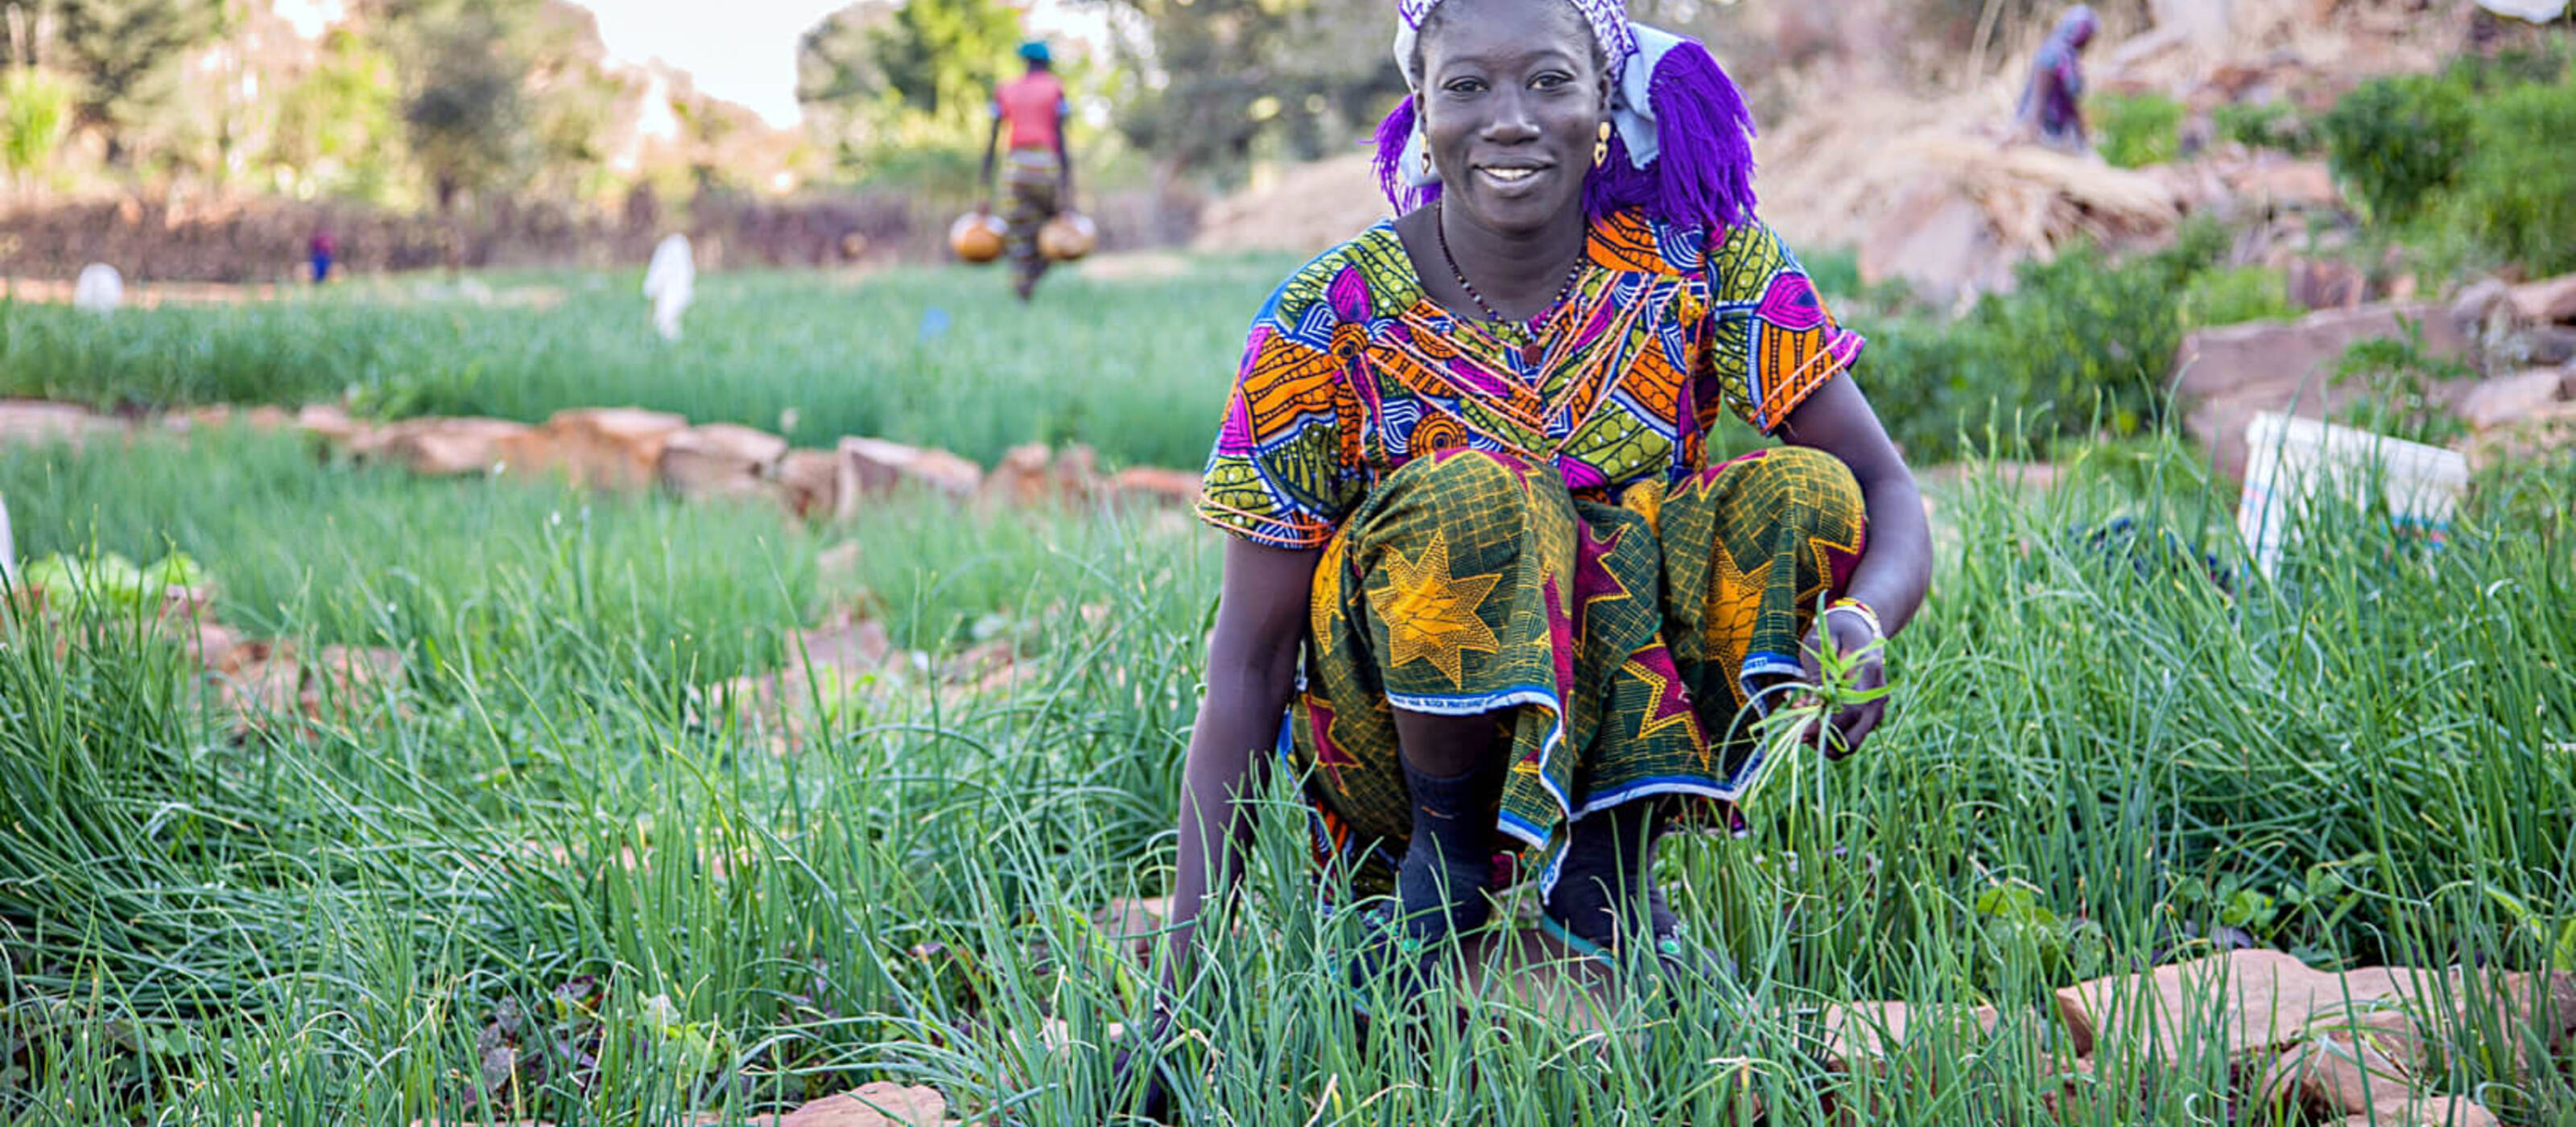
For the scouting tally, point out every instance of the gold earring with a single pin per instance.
(1601, 147)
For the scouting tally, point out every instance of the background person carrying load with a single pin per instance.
(2052, 105)
(1032, 110)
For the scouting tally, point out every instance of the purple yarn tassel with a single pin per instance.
(1392, 135)
(1704, 175)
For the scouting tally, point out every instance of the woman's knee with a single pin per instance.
(1798, 478)
(1476, 495)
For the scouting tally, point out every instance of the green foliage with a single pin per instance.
(2517, 188)
(34, 108)
(909, 85)
(2265, 125)
(2081, 345)
(810, 357)
(2137, 130)
(2396, 142)
(554, 843)
(462, 104)
(2235, 296)
(109, 581)
(1245, 80)
(2403, 383)
(126, 53)
(337, 125)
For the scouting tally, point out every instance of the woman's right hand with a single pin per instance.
(1251, 669)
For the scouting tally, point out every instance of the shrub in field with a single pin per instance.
(2235, 296)
(2080, 341)
(2517, 191)
(2266, 125)
(2403, 381)
(2136, 130)
(2395, 142)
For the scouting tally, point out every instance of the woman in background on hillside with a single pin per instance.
(2052, 103)
(1481, 562)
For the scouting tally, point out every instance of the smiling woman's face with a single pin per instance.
(1512, 100)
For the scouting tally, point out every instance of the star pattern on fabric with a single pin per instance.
(1431, 615)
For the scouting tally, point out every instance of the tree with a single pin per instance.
(462, 106)
(33, 108)
(125, 54)
(336, 126)
(917, 75)
(1228, 80)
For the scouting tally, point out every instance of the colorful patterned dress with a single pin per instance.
(1520, 520)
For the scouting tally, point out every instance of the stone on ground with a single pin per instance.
(1152, 486)
(442, 447)
(1939, 241)
(882, 1104)
(2479, 305)
(2265, 1000)
(2228, 375)
(614, 448)
(809, 483)
(2507, 400)
(330, 424)
(874, 467)
(719, 460)
(1022, 478)
(33, 421)
(2547, 302)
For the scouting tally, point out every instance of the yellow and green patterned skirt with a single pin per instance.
(1620, 643)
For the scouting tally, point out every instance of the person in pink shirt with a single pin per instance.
(1038, 172)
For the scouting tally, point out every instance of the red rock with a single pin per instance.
(1023, 478)
(1869, 1033)
(2290, 184)
(256, 680)
(343, 681)
(852, 646)
(2327, 284)
(35, 420)
(2506, 400)
(2430, 1111)
(1937, 240)
(2228, 375)
(809, 483)
(874, 467)
(330, 424)
(1077, 474)
(882, 1104)
(2264, 1000)
(2477, 305)
(1134, 922)
(718, 460)
(2549, 302)
(442, 447)
(614, 448)
(1155, 486)
(2330, 1078)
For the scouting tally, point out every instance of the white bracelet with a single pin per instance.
(1867, 616)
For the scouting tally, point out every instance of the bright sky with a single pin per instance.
(739, 50)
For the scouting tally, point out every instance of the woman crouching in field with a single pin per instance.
(1466, 470)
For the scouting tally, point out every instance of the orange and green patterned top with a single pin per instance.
(1352, 371)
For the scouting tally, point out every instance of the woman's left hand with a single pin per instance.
(1857, 642)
